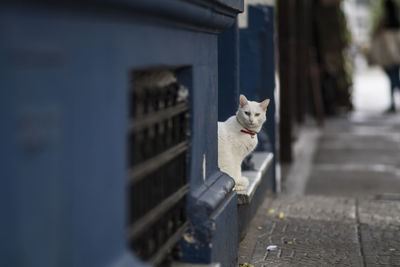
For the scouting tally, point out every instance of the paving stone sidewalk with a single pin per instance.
(323, 231)
(348, 211)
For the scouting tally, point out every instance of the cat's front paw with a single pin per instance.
(241, 184)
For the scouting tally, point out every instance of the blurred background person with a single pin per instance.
(385, 47)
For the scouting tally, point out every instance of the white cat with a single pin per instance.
(237, 138)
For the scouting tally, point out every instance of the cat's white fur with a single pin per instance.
(234, 145)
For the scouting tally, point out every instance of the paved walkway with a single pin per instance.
(346, 209)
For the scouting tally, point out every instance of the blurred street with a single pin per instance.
(359, 155)
(340, 204)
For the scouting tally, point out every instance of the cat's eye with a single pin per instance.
(247, 113)
(257, 114)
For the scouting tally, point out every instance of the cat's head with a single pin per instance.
(251, 114)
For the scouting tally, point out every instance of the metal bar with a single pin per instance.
(141, 170)
(165, 249)
(156, 213)
(139, 124)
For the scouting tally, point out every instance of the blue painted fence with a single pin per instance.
(64, 77)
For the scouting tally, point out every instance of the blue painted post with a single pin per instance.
(257, 70)
(267, 53)
(228, 72)
(250, 62)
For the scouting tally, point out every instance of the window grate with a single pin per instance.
(158, 146)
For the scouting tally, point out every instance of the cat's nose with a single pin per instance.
(251, 121)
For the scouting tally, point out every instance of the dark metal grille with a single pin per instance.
(158, 143)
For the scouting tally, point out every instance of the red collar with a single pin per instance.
(248, 132)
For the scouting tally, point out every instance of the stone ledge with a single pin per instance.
(261, 160)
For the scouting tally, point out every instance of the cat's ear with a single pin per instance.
(264, 104)
(242, 101)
